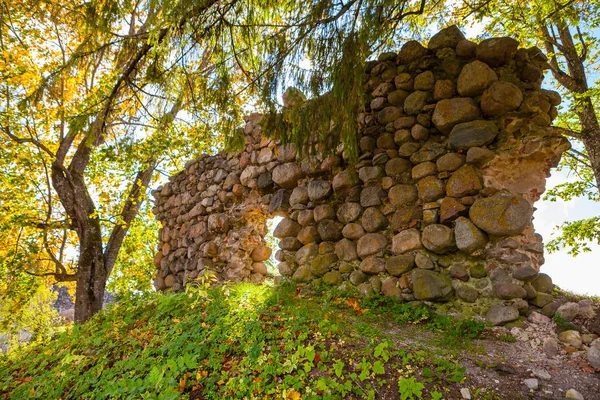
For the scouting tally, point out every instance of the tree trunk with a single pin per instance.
(590, 135)
(91, 275)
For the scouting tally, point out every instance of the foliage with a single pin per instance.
(239, 341)
(36, 318)
(98, 96)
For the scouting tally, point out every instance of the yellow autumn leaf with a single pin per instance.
(293, 395)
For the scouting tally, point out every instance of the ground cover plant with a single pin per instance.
(246, 341)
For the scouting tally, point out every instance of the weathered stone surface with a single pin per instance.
(405, 241)
(447, 37)
(372, 265)
(397, 97)
(593, 354)
(371, 243)
(568, 311)
(389, 288)
(543, 283)
(302, 274)
(415, 102)
(525, 273)
(464, 182)
(299, 196)
(468, 237)
(321, 264)
(218, 223)
(405, 217)
(349, 212)
(344, 181)
(279, 204)
(261, 253)
(307, 253)
(438, 238)
(396, 167)
(330, 230)
(287, 227)
(411, 51)
(496, 51)
(319, 190)
(371, 196)
(370, 174)
(323, 211)
(501, 215)
(472, 134)
(444, 89)
(429, 285)
(398, 265)
(373, 220)
(571, 338)
(474, 78)
(479, 156)
(509, 291)
(424, 169)
(287, 175)
(424, 81)
(423, 261)
(353, 231)
(389, 114)
(333, 278)
(467, 293)
(499, 314)
(450, 112)
(290, 244)
(346, 250)
(430, 189)
(450, 209)
(401, 195)
(500, 98)
(450, 162)
(308, 234)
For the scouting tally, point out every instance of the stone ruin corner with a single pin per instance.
(454, 150)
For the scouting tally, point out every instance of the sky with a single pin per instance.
(579, 274)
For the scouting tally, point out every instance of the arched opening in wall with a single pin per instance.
(273, 244)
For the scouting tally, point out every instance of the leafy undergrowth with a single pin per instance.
(248, 341)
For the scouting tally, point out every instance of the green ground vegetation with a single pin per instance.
(246, 341)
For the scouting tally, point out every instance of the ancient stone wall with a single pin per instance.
(454, 150)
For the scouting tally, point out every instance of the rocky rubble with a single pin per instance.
(454, 151)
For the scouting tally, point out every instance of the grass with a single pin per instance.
(247, 341)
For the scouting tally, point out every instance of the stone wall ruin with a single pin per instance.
(454, 151)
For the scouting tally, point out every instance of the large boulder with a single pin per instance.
(330, 230)
(496, 51)
(406, 241)
(472, 134)
(450, 112)
(287, 175)
(411, 51)
(468, 237)
(287, 227)
(447, 37)
(501, 98)
(319, 190)
(464, 182)
(371, 243)
(430, 285)
(501, 214)
(349, 212)
(474, 78)
(499, 314)
(344, 181)
(438, 238)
